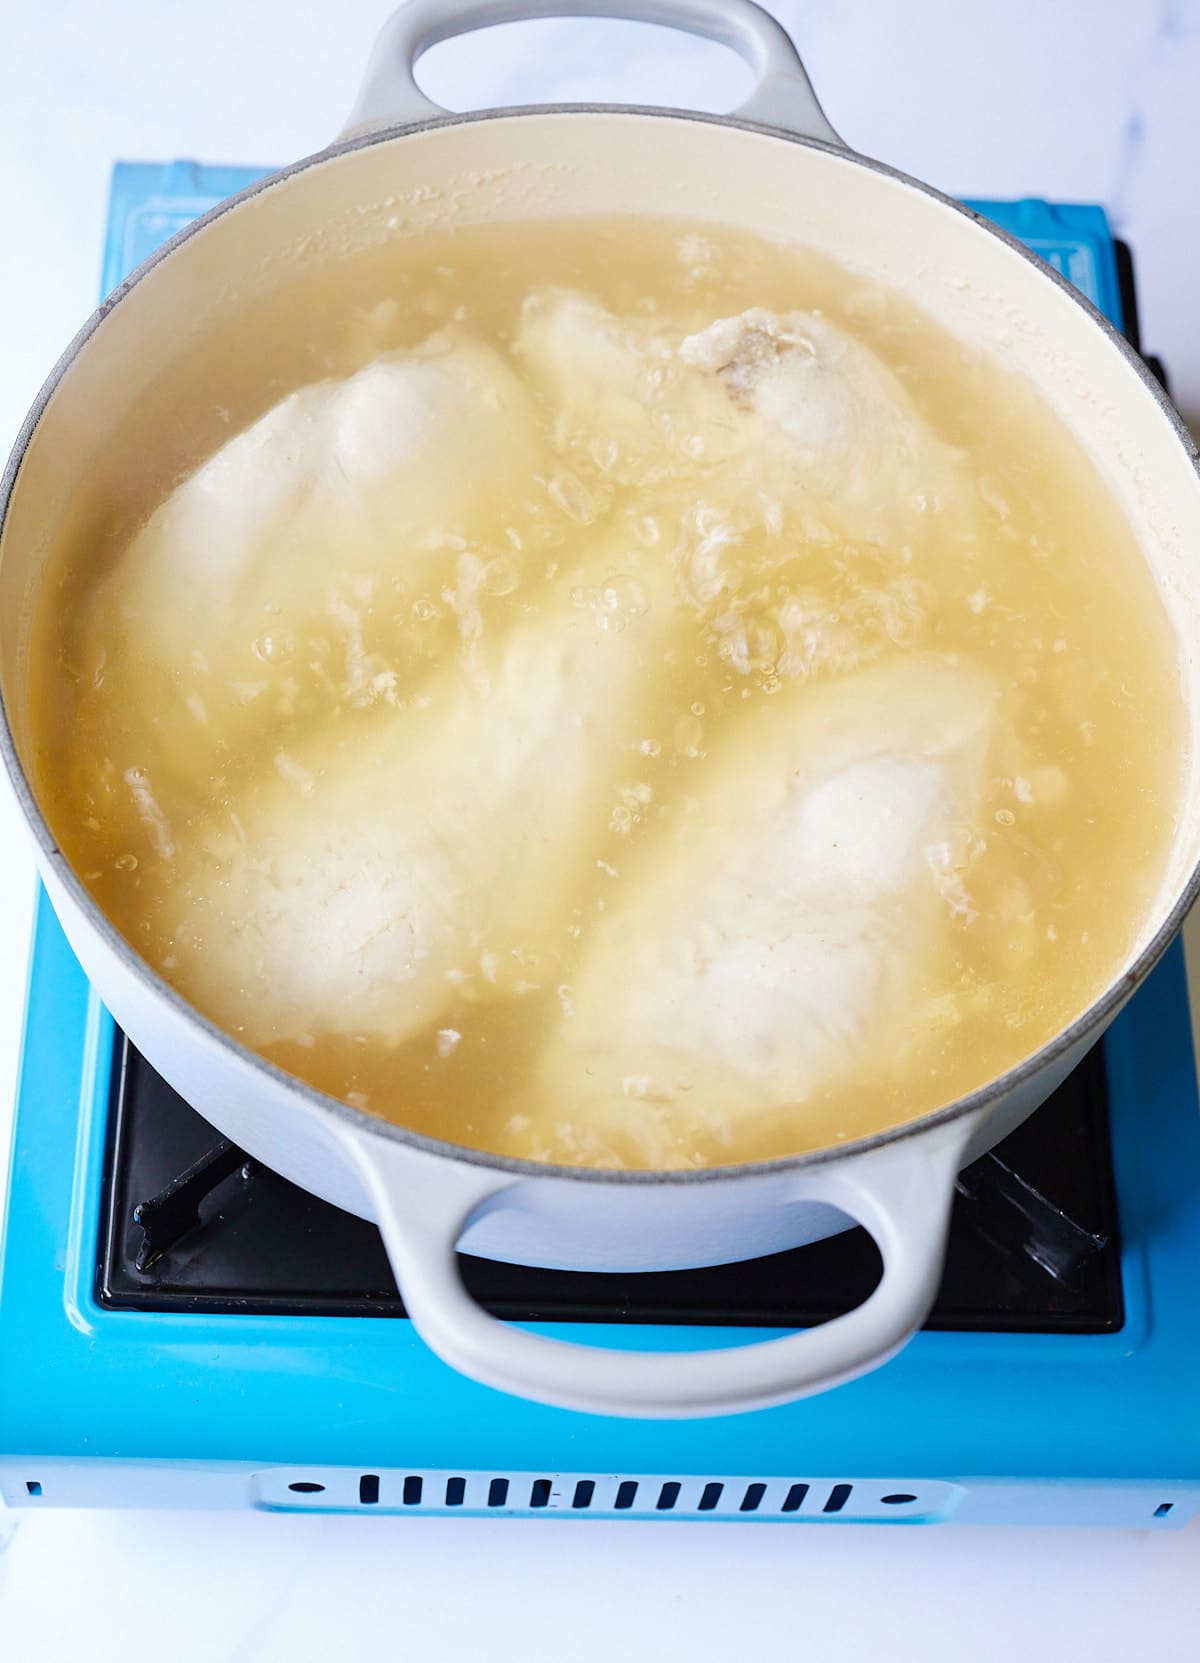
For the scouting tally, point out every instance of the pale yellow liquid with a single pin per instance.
(1050, 595)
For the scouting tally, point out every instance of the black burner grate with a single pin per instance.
(1033, 1242)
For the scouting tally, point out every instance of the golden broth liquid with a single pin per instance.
(150, 768)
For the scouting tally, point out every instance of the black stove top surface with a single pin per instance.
(190, 1223)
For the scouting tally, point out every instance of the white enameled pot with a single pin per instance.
(774, 167)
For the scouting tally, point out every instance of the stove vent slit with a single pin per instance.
(600, 1494)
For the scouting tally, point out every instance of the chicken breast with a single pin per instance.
(803, 496)
(811, 408)
(268, 578)
(772, 933)
(617, 389)
(825, 539)
(823, 406)
(403, 857)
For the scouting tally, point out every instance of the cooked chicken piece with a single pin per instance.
(816, 548)
(841, 424)
(596, 370)
(250, 590)
(807, 405)
(617, 389)
(793, 475)
(403, 857)
(770, 937)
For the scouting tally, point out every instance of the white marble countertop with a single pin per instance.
(1086, 100)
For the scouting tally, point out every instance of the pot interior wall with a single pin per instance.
(548, 163)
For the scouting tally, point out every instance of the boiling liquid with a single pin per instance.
(1030, 575)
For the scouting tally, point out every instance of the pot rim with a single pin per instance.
(1089, 1023)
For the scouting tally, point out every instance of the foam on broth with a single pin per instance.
(644, 627)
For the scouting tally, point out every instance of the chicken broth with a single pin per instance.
(616, 693)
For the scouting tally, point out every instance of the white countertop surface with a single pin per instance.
(1086, 100)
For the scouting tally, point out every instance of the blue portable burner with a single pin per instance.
(179, 1326)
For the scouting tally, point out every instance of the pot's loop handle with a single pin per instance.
(901, 1193)
(783, 96)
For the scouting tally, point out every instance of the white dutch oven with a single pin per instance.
(774, 167)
